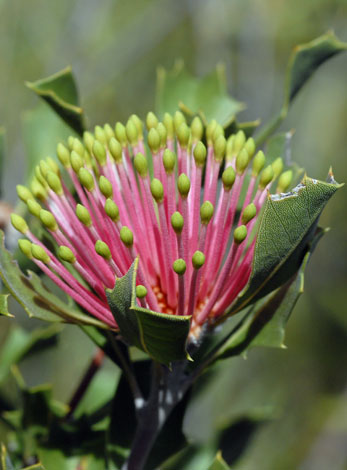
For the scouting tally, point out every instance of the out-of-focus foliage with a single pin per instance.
(120, 45)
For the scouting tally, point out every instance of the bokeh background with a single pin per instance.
(114, 48)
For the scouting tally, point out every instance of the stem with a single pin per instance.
(94, 366)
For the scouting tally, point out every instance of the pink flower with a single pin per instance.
(194, 234)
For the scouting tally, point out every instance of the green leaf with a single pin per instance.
(19, 343)
(219, 463)
(36, 299)
(207, 96)
(163, 337)
(286, 228)
(264, 324)
(5, 462)
(42, 131)
(60, 92)
(3, 306)
(303, 62)
(2, 155)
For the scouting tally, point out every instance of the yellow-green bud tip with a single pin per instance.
(219, 147)
(40, 254)
(34, 207)
(141, 291)
(197, 129)
(242, 160)
(141, 165)
(277, 167)
(210, 130)
(266, 176)
(63, 155)
(54, 183)
(240, 233)
(284, 181)
(86, 179)
(99, 152)
(239, 141)
(19, 223)
(157, 190)
(102, 249)
(121, 135)
(83, 215)
(169, 160)
(48, 220)
(115, 149)
(23, 193)
(105, 186)
(249, 213)
(250, 147)
(162, 134)
(78, 147)
(183, 185)
(228, 178)
(153, 140)
(100, 134)
(168, 123)
(25, 247)
(109, 132)
(206, 212)
(177, 222)
(76, 161)
(88, 140)
(183, 134)
(200, 154)
(131, 132)
(151, 121)
(178, 120)
(198, 259)
(258, 163)
(66, 254)
(179, 266)
(112, 210)
(126, 235)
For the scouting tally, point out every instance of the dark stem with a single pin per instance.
(93, 367)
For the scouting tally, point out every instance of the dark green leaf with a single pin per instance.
(219, 463)
(303, 62)
(55, 459)
(161, 336)
(36, 299)
(20, 343)
(286, 228)
(42, 131)
(60, 92)
(207, 96)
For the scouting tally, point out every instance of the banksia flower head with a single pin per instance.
(113, 201)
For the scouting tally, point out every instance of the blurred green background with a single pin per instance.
(114, 48)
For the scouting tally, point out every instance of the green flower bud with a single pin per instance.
(54, 183)
(39, 176)
(139, 125)
(198, 259)
(34, 207)
(66, 254)
(76, 161)
(70, 142)
(100, 135)
(210, 130)
(44, 168)
(284, 181)
(206, 212)
(197, 129)
(140, 163)
(23, 192)
(126, 235)
(53, 165)
(277, 167)
(99, 152)
(48, 220)
(102, 249)
(109, 132)
(153, 140)
(63, 155)
(151, 121)
(157, 190)
(179, 266)
(240, 233)
(239, 141)
(168, 123)
(88, 140)
(258, 163)
(183, 185)
(105, 186)
(112, 210)
(141, 291)
(162, 134)
(38, 190)
(249, 213)
(219, 146)
(228, 178)
(115, 150)
(217, 132)
(178, 120)
(86, 179)
(131, 132)
(183, 134)
(78, 147)
(169, 161)
(177, 222)
(242, 160)
(83, 215)
(266, 177)
(250, 147)
(121, 134)
(40, 254)
(200, 154)
(25, 247)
